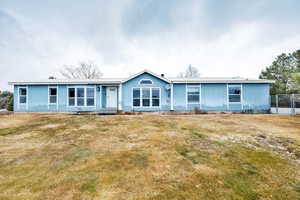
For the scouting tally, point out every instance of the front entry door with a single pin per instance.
(111, 97)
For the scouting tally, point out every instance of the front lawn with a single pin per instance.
(151, 157)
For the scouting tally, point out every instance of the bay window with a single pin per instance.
(146, 97)
(136, 97)
(155, 97)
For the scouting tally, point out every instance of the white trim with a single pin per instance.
(242, 102)
(52, 87)
(107, 89)
(120, 97)
(95, 96)
(200, 85)
(194, 86)
(101, 88)
(236, 81)
(149, 72)
(23, 104)
(68, 82)
(145, 79)
(227, 96)
(186, 98)
(234, 85)
(120, 80)
(150, 97)
(172, 100)
(57, 97)
(85, 96)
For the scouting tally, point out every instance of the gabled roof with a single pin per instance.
(149, 72)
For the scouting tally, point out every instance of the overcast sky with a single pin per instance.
(220, 38)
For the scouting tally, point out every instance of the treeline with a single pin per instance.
(285, 70)
(6, 100)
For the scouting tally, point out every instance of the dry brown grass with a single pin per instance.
(149, 157)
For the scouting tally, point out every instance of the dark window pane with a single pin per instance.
(136, 102)
(80, 101)
(23, 91)
(234, 98)
(80, 92)
(136, 93)
(52, 99)
(146, 102)
(146, 92)
(71, 92)
(23, 99)
(155, 102)
(193, 98)
(235, 90)
(71, 102)
(53, 91)
(146, 82)
(155, 93)
(90, 102)
(90, 92)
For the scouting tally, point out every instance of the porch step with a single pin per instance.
(107, 111)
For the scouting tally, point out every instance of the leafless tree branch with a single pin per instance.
(85, 70)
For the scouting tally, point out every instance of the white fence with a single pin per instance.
(285, 104)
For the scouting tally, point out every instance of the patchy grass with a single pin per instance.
(149, 157)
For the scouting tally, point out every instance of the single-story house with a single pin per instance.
(144, 91)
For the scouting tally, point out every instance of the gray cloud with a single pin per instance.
(222, 38)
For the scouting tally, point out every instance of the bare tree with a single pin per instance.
(190, 72)
(85, 70)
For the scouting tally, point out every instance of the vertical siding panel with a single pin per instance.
(214, 96)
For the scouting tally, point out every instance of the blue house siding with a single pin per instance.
(213, 96)
(256, 96)
(179, 97)
(37, 99)
(127, 93)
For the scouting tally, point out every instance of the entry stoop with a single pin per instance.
(107, 111)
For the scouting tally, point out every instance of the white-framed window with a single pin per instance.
(71, 96)
(155, 94)
(146, 82)
(90, 96)
(146, 97)
(193, 94)
(52, 95)
(136, 97)
(22, 95)
(82, 96)
(234, 93)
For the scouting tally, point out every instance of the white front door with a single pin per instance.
(111, 97)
